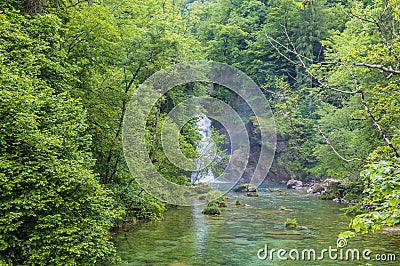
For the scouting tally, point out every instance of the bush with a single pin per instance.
(54, 211)
(354, 209)
(211, 209)
(290, 223)
(221, 202)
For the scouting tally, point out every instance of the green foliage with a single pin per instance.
(54, 210)
(361, 49)
(290, 223)
(211, 209)
(350, 136)
(69, 68)
(382, 182)
(135, 204)
(114, 46)
(352, 190)
(221, 202)
(67, 71)
(346, 235)
(354, 209)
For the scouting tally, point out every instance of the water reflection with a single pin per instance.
(200, 227)
(190, 238)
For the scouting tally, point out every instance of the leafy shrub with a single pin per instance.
(354, 209)
(54, 211)
(290, 223)
(211, 209)
(382, 182)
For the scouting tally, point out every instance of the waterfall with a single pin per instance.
(206, 148)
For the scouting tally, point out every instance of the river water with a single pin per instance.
(186, 237)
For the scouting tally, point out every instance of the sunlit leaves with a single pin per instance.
(54, 211)
(382, 182)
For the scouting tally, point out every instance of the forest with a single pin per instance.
(330, 70)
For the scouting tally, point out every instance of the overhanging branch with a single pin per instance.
(388, 69)
(336, 152)
(357, 90)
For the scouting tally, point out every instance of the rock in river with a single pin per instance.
(294, 184)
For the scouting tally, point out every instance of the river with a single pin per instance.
(240, 234)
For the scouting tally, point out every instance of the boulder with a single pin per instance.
(318, 188)
(274, 190)
(252, 194)
(331, 183)
(246, 188)
(329, 188)
(294, 184)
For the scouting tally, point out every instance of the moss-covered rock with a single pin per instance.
(278, 190)
(221, 202)
(252, 194)
(211, 209)
(238, 202)
(246, 188)
(290, 223)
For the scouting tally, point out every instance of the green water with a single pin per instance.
(186, 237)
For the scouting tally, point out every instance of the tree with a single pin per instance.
(53, 208)
(359, 78)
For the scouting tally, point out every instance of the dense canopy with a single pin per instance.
(330, 69)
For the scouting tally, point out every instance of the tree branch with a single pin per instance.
(388, 69)
(322, 84)
(336, 152)
(371, 116)
(128, 85)
(154, 140)
(357, 90)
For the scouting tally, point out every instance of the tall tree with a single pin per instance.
(53, 208)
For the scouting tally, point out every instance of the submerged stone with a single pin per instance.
(246, 188)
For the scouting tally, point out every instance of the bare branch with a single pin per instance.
(337, 153)
(388, 69)
(378, 24)
(322, 84)
(371, 116)
(294, 51)
(271, 40)
(357, 90)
